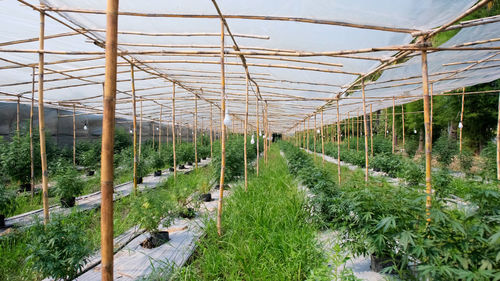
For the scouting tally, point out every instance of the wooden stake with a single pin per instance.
(385, 130)
(338, 142)
(223, 134)
(498, 140)
(108, 129)
(432, 108)
(371, 130)
(403, 123)
(365, 130)
(134, 122)
(140, 132)
(393, 125)
(211, 133)
(196, 131)
(159, 130)
(245, 136)
(74, 137)
(461, 118)
(32, 156)
(41, 122)
(322, 139)
(257, 134)
(307, 144)
(314, 135)
(173, 130)
(348, 135)
(357, 132)
(18, 116)
(428, 137)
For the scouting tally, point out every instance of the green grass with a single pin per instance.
(267, 234)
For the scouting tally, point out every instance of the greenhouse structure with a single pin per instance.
(250, 140)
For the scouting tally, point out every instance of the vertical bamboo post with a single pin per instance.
(173, 130)
(432, 107)
(153, 125)
(357, 131)
(428, 137)
(196, 131)
(403, 124)
(498, 140)
(245, 135)
(223, 133)
(211, 133)
(266, 126)
(322, 139)
(18, 115)
(385, 130)
(304, 133)
(461, 118)
(108, 128)
(365, 129)
(134, 122)
(314, 135)
(140, 132)
(348, 135)
(307, 144)
(345, 128)
(352, 129)
(393, 125)
(257, 133)
(74, 137)
(371, 130)
(41, 120)
(32, 156)
(159, 130)
(338, 142)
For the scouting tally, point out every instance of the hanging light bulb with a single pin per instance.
(415, 131)
(227, 118)
(130, 131)
(387, 131)
(85, 127)
(264, 136)
(318, 131)
(260, 134)
(157, 129)
(460, 125)
(252, 141)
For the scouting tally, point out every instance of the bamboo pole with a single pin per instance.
(134, 122)
(74, 136)
(41, 121)
(257, 132)
(223, 134)
(365, 129)
(196, 131)
(322, 139)
(307, 144)
(18, 116)
(173, 130)
(385, 130)
(371, 130)
(338, 142)
(348, 134)
(304, 135)
(432, 108)
(498, 140)
(211, 133)
(428, 137)
(461, 118)
(393, 125)
(159, 130)
(245, 137)
(108, 129)
(140, 132)
(314, 136)
(403, 124)
(357, 132)
(32, 156)
(153, 125)
(266, 126)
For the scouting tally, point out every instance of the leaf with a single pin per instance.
(386, 223)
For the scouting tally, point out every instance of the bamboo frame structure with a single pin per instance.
(338, 143)
(498, 141)
(428, 137)
(461, 119)
(322, 140)
(257, 133)
(357, 132)
(140, 131)
(18, 116)
(393, 125)
(74, 136)
(159, 130)
(32, 156)
(403, 124)
(41, 122)
(348, 132)
(314, 136)
(365, 129)
(211, 134)
(108, 128)
(173, 131)
(196, 132)
(245, 138)
(371, 130)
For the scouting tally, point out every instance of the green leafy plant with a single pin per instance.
(7, 201)
(445, 149)
(69, 183)
(16, 160)
(466, 160)
(59, 249)
(158, 162)
(149, 209)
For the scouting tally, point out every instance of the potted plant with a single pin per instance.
(158, 163)
(149, 211)
(205, 196)
(66, 241)
(142, 170)
(17, 164)
(68, 186)
(7, 203)
(182, 196)
(89, 159)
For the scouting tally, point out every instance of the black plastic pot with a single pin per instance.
(25, 187)
(157, 239)
(139, 180)
(2, 221)
(207, 197)
(190, 163)
(181, 167)
(171, 169)
(67, 202)
(379, 263)
(90, 173)
(204, 158)
(217, 186)
(187, 213)
(226, 187)
(158, 173)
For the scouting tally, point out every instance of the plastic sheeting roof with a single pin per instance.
(294, 87)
